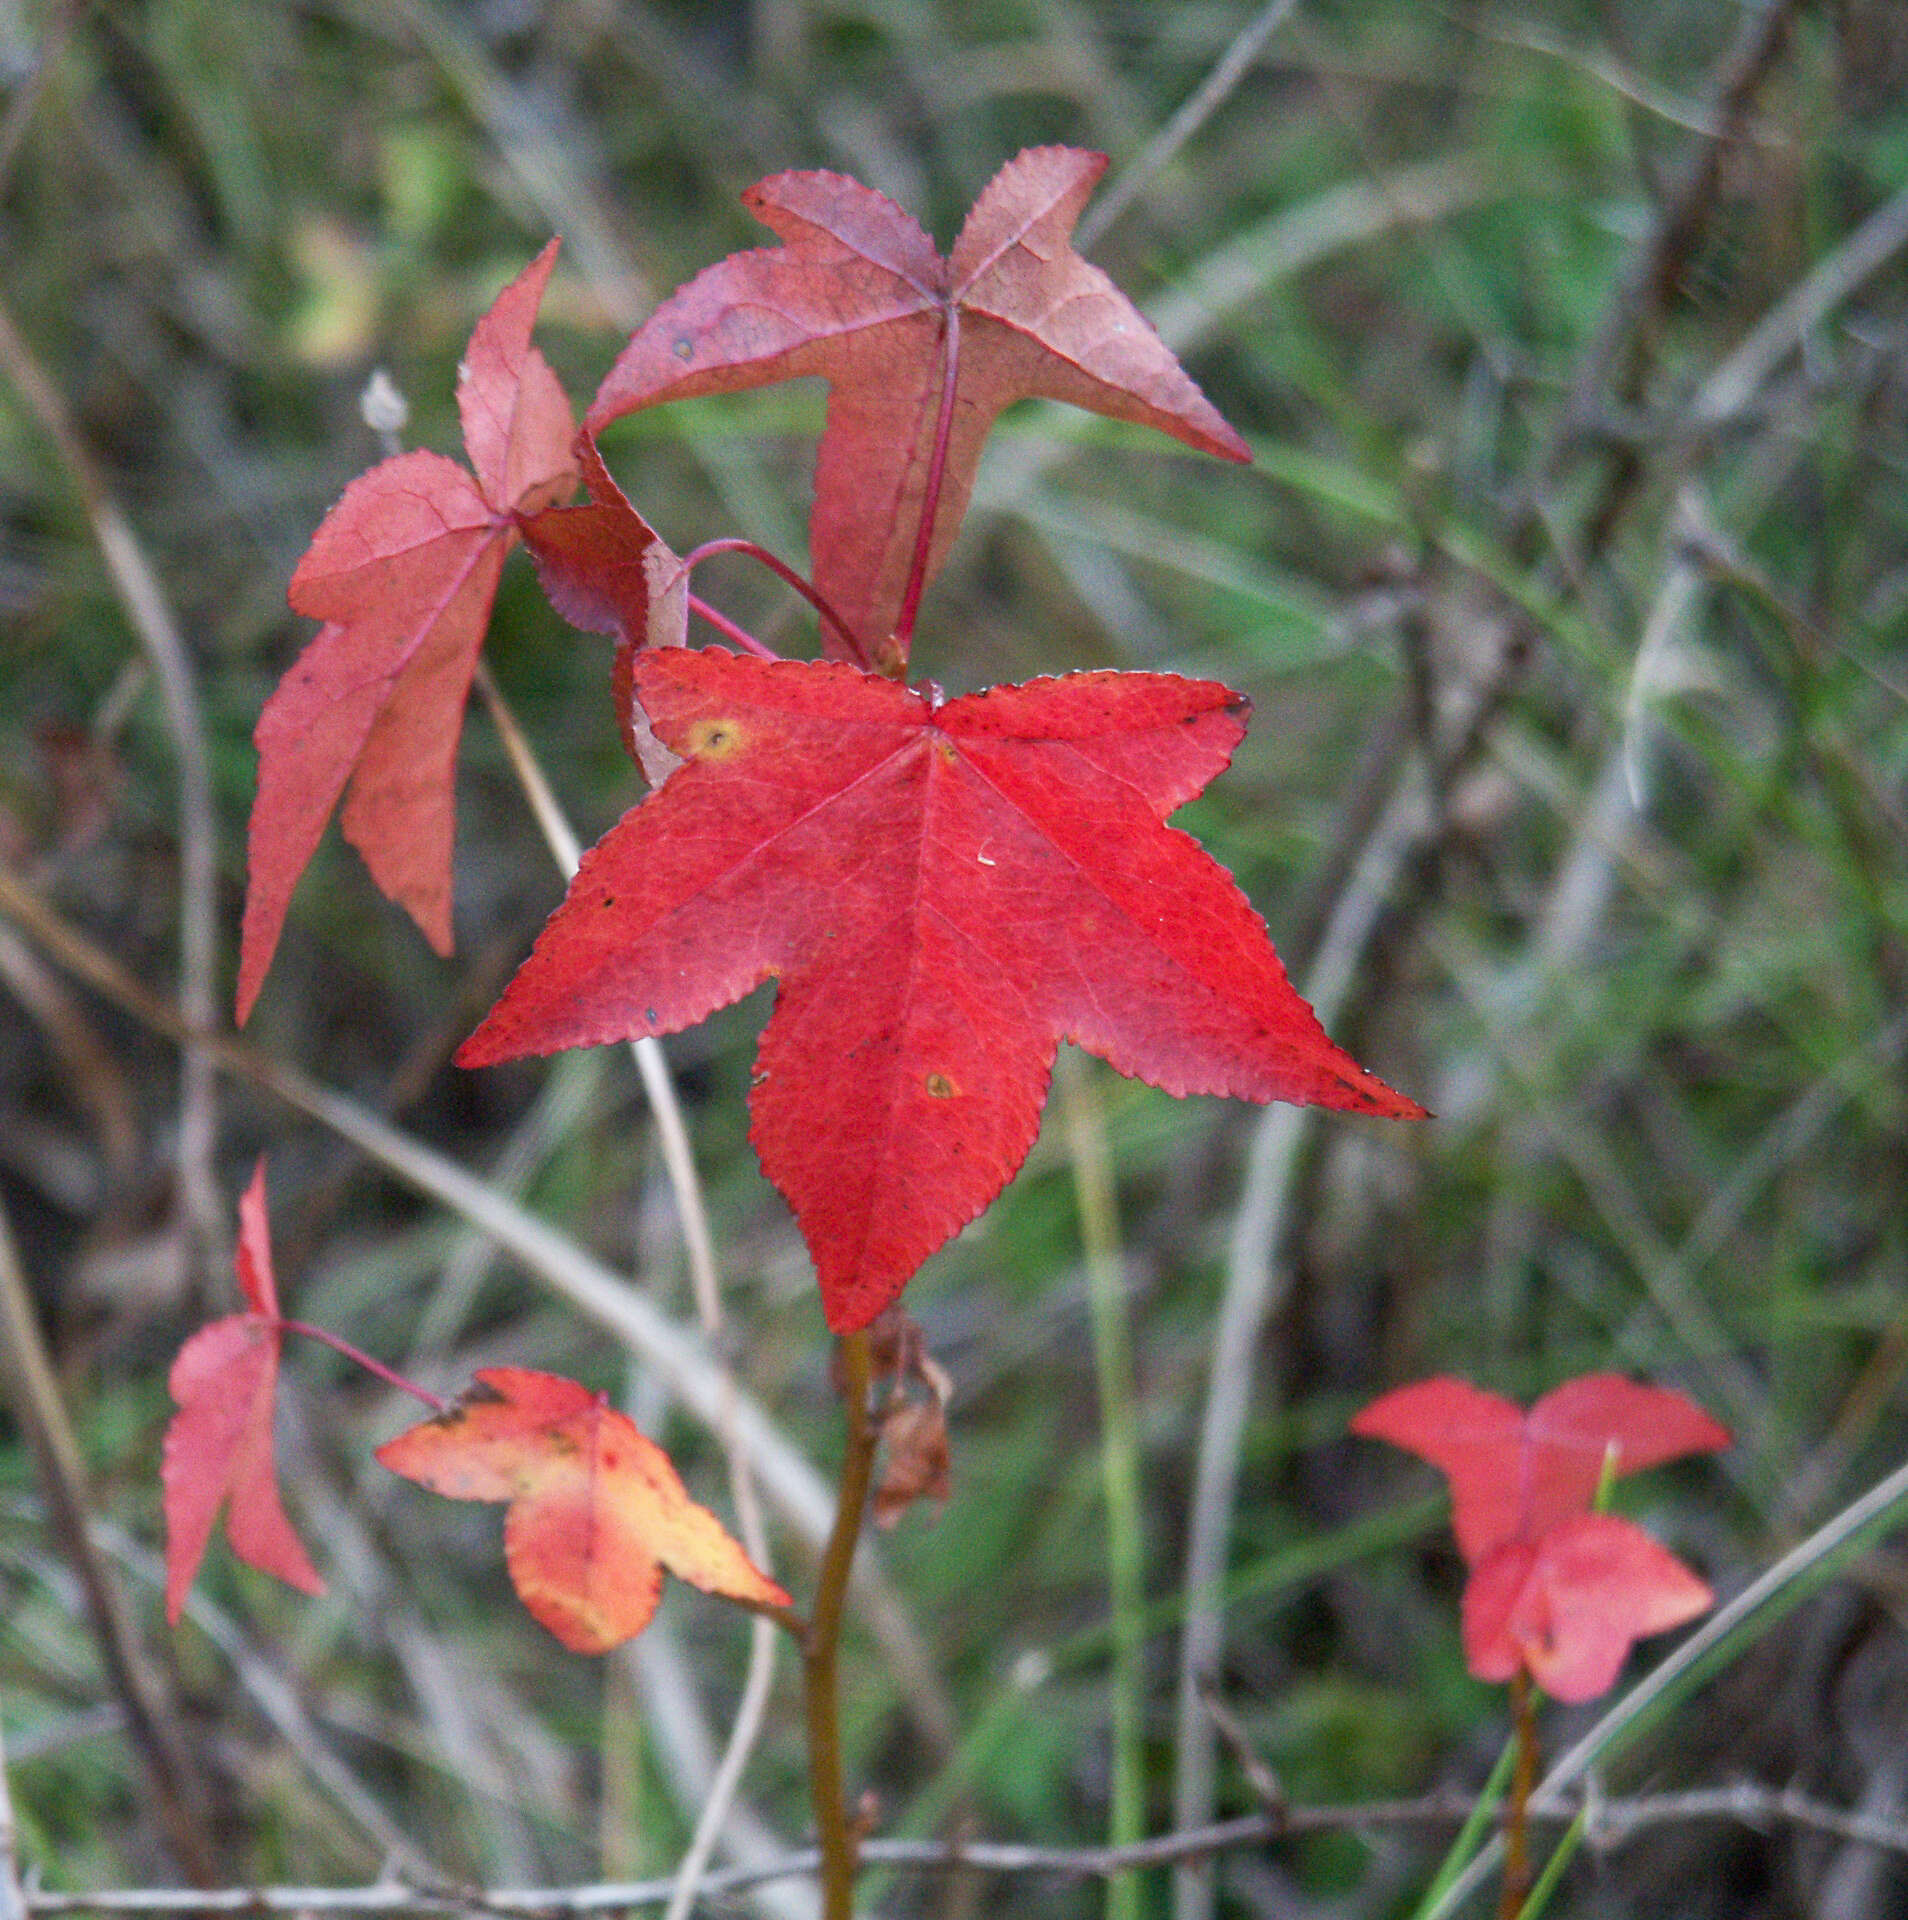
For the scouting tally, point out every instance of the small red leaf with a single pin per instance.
(598, 561)
(606, 570)
(944, 891)
(218, 1448)
(1568, 1606)
(1513, 1475)
(858, 296)
(518, 428)
(403, 571)
(596, 1511)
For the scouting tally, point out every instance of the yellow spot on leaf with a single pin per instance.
(715, 740)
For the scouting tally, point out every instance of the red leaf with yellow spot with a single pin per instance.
(596, 1514)
(944, 890)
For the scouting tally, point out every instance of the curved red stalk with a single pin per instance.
(376, 1368)
(783, 572)
(931, 496)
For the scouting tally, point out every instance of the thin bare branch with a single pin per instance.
(1256, 1282)
(1613, 1822)
(33, 1395)
(12, 1898)
(1199, 106)
(150, 614)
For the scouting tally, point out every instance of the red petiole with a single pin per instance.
(931, 494)
(436, 1402)
(783, 572)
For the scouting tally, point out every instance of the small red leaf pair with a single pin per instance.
(1555, 1589)
(403, 572)
(596, 1515)
(596, 1511)
(944, 890)
(218, 1449)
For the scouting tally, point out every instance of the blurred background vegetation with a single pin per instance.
(1571, 590)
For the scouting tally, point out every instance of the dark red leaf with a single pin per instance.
(606, 570)
(944, 891)
(218, 1449)
(858, 296)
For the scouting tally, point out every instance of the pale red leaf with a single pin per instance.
(1475, 1438)
(1512, 1474)
(943, 891)
(858, 296)
(403, 572)
(517, 424)
(218, 1450)
(1567, 1606)
(596, 1514)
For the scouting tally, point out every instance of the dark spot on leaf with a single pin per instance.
(940, 1086)
(649, 1014)
(685, 348)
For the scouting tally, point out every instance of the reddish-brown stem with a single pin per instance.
(931, 494)
(783, 572)
(376, 1368)
(1517, 1808)
(837, 1838)
(728, 628)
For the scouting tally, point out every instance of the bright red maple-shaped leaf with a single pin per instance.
(596, 1511)
(403, 572)
(218, 1449)
(1567, 1606)
(1515, 1474)
(1555, 1589)
(858, 295)
(944, 890)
